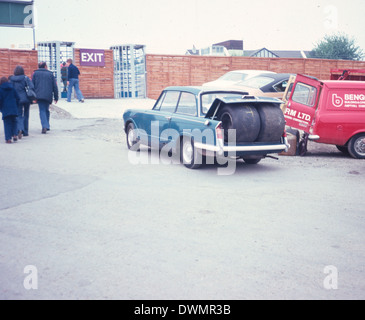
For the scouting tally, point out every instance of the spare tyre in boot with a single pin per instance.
(272, 123)
(244, 119)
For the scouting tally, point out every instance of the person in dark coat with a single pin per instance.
(64, 72)
(46, 89)
(73, 79)
(9, 100)
(20, 81)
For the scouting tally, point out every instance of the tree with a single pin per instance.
(337, 46)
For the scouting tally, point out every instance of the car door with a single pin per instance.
(159, 119)
(302, 103)
(288, 91)
(185, 117)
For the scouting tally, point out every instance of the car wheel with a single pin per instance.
(132, 139)
(356, 146)
(188, 154)
(252, 161)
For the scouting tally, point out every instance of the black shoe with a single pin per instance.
(44, 131)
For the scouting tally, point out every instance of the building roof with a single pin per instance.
(263, 52)
(192, 52)
(231, 44)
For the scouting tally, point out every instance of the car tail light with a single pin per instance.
(220, 138)
(284, 134)
(219, 131)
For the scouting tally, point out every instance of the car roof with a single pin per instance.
(346, 84)
(275, 76)
(192, 89)
(251, 71)
(199, 89)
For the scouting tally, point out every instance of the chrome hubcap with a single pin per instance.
(131, 139)
(188, 152)
(360, 146)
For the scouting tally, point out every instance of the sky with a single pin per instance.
(173, 26)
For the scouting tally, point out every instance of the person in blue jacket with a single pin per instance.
(20, 81)
(73, 79)
(46, 89)
(9, 101)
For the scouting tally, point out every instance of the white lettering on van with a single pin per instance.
(291, 112)
(304, 116)
(355, 97)
(337, 101)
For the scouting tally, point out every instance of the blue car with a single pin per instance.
(197, 123)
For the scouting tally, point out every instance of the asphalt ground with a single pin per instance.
(81, 220)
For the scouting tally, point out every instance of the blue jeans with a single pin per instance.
(23, 117)
(74, 83)
(44, 114)
(10, 127)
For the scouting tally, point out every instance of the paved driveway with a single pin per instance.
(79, 220)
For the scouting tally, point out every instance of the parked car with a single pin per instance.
(194, 123)
(267, 85)
(233, 77)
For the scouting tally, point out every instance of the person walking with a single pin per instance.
(9, 100)
(20, 81)
(73, 79)
(46, 89)
(64, 76)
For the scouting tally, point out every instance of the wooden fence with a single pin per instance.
(168, 70)
(9, 59)
(97, 82)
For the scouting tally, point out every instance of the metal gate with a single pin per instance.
(129, 71)
(54, 54)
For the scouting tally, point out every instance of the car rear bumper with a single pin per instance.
(250, 149)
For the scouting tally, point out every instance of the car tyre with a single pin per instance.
(242, 118)
(343, 149)
(356, 146)
(132, 139)
(188, 154)
(252, 161)
(272, 123)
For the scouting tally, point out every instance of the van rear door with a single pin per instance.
(302, 104)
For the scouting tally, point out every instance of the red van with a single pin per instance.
(331, 112)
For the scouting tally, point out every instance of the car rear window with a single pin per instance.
(234, 76)
(256, 82)
(207, 99)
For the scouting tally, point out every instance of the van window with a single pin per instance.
(305, 94)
